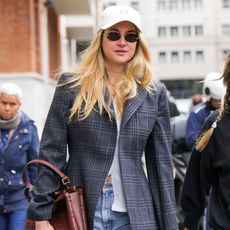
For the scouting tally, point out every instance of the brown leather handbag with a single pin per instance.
(69, 210)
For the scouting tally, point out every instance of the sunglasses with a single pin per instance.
(115, 36)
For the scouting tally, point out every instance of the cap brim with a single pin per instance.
(108, 25)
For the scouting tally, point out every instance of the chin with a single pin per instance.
(6, 118)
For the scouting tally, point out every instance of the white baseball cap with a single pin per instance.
(115, 14)
(213, 86)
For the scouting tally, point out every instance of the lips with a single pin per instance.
(120, 52)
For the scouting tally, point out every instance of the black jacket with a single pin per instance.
(209, 169)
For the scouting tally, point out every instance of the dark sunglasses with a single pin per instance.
(115, 36)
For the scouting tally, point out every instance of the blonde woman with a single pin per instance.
(108, 112)
(209, 168)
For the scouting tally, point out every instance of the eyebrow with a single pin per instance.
(113, 29)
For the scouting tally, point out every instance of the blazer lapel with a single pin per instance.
(133, 104)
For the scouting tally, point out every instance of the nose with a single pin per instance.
(7, 107)
(122, 41)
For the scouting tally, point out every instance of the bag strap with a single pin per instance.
(29, 186)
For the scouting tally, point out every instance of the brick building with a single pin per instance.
(35, 42)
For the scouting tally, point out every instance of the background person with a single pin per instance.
(213, 91)
(173, 110)
(196, 99)
(209, 169)
(108, 113)
(18, 144)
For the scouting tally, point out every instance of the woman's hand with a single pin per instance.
(43, 225)
(186, 228)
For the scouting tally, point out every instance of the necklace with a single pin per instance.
(111, 87)
(111, 84)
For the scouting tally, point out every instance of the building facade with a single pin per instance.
(36, 42)
(189, 38)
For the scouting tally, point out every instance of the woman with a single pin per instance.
(209, 168)
(108, 112)
(18, 144)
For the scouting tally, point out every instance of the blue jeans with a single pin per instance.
(207, 227)
(14, 220)
(105, 218)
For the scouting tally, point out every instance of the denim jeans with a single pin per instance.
(14, 220)
(105, 218)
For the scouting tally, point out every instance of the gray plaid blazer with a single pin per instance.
(145, 127)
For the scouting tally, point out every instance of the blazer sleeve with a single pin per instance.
(199, 172)
(159, 165)
(53, 148)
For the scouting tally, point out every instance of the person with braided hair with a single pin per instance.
(209, 169)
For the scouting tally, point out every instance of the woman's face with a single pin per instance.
(116, 49)
(9, 106)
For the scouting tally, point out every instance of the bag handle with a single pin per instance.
(29, 186)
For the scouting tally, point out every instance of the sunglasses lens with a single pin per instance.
(113, 36)
(131, 37)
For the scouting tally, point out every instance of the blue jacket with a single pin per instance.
(22, 147)
(195, 120)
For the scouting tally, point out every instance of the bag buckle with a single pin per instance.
(65, 181)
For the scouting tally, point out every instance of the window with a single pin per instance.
(186, 31)
(162, 57)
(183, 89)
(162, 31)
(174, 31)
(174, 57)
(187, 57)
(226, 52)
(186, 4)
(198, 30)
(226, 3)
(161, 5)
(198, 4)
(226, 29)
(135, 5)
(199, 56)
(109, 4)
(173, 4)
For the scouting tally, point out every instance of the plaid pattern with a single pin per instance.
(145, 127)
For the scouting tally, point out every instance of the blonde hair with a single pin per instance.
(203, 139)
(90, 82)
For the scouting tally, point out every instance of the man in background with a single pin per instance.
(213, 90)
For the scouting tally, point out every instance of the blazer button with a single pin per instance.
(1, 179)
(20, 146)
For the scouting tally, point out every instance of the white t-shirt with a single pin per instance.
(119, 204)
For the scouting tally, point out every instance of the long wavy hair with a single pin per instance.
(203, 139)
(89, 79)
